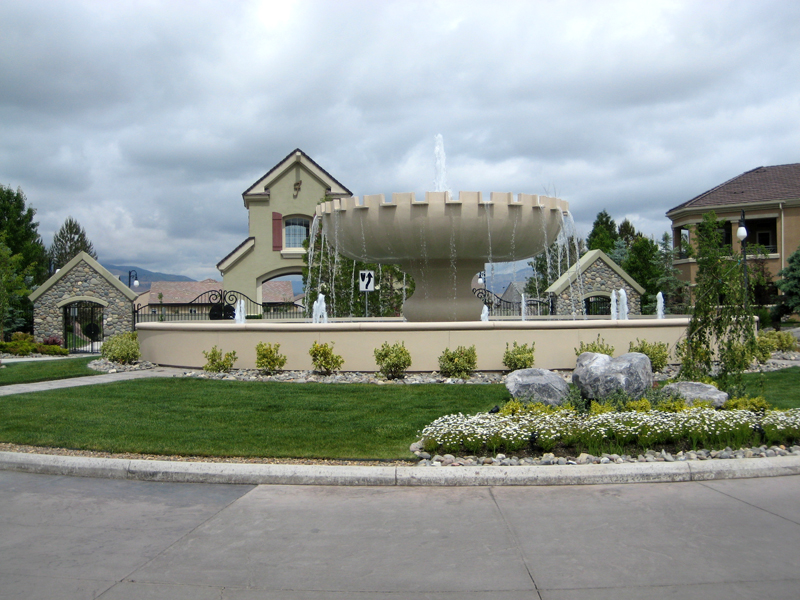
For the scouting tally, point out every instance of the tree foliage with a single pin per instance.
(668, 284)
(789, 284)
(68, 241)
(21, 233)
(644, 265)
(551, 264)
(603, 234)
(722, 321)
(627, 233)
(13, 287)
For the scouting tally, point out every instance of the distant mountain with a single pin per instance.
(145, 277)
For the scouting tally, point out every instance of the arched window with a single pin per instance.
(296, 232)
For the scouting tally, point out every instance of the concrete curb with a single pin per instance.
(258, 474)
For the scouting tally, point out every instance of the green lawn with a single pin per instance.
(780, 388)
(45, 370)
(221, 418)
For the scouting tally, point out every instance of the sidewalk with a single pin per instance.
(23, 388)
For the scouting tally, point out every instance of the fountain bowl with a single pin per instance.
(442, 241)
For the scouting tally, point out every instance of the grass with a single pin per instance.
(45, 370)
(779, 388)
(221, 418)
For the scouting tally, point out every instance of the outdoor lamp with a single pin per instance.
(741, 233)
(132, 274)
(481, 277)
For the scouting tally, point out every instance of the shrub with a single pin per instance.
(53, 340)
(783, 341)
(765, 346)
(598, 346)
(269, 358)
(392, 360)
(17, 347)
(753, 404)
(460, 363)
(323, 358)
(217, 363)
(122, 348)
(518, 357)
(642, 405)
(21, 336)
(51, 350)
(657, 352)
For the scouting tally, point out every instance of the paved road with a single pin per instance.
(75, 538)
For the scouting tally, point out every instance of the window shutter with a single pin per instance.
(277, 232)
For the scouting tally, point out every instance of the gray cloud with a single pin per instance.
(147, 121)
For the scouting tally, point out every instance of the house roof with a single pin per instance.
(178, 292)
(261, 187)
(763, 184)
(101, 270)
(586, 261)
(277, 292)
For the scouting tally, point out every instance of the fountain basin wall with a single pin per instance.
(182, 344)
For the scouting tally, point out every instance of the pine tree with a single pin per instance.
(21, 232)
(789, 284)
(627, 233)
(68, 242)
(668, 283)
(644, 266)
(603, 234)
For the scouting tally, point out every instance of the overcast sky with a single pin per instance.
(146, 121)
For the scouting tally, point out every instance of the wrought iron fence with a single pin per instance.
(216, 305)
(498, 307)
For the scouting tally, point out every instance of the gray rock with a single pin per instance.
(692, 390)
(537, 384)
(598, 375)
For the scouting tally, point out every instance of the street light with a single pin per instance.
(132, 274)
(741, 235)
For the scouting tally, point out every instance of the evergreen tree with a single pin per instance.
(13, 287)
(668, 283)
(789, 284)
(627, 233)
(620, 252)
(643, 265)
(21, 233)
(603, 234)
(68, 242)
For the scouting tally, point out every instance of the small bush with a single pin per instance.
(392, 360)
(783, 341)
(671, 405)
(765, 346)
(21, 336)
(598, 408)
(53, 340)
(218, 363)
(657, 352)
(512, 407)
(598, 346)
(642, 405)
(323, 358)
(460, 363)
(51, 350)
(518, 357)
(18, 348)
(122, 348)
(269, 358)
(754, 404)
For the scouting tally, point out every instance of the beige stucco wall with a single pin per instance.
(182, 344)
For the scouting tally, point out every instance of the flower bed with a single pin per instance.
(693, 428)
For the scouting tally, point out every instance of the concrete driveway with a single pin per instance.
(75, 538)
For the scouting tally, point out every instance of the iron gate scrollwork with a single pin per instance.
(597, 305)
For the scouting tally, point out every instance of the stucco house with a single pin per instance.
(770, 197)
(280, 206)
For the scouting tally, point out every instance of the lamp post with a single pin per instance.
(741, 235)
(133, 275)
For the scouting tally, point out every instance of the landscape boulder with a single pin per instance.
(539, 385)
(599, 376)
(693, 390)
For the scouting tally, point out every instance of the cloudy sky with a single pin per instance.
(146, 120)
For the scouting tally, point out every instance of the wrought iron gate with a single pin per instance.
(83, 326)
(597, 305)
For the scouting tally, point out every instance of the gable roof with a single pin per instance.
(179, 292)
(586, 261)
(101, 270)
(262, 185)
(763, 184)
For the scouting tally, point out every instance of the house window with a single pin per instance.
(296, 232)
